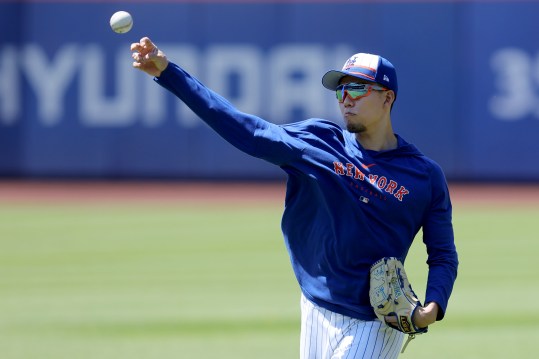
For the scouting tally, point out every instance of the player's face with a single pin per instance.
(361, 110)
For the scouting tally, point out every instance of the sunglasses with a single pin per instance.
(356, 91)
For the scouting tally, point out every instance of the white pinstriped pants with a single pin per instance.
(328, 335)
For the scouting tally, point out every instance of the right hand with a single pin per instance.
(148, 57)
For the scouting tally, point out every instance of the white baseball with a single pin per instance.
(121, 22)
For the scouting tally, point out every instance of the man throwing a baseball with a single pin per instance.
(354, 196)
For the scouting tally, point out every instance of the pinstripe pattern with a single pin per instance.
(328, 335)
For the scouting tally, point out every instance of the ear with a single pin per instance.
(390, 98)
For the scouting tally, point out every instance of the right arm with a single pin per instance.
(238, 128)
(246, 132)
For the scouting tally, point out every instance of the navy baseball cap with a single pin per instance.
(368, 67)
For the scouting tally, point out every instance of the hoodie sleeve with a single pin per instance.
(248, 133)
(439, 239)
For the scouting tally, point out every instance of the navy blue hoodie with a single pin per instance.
(345, 207)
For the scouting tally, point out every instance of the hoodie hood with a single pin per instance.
(404, 149)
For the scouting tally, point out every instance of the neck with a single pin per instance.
(378, 140)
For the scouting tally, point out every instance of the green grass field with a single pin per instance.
(183, 281)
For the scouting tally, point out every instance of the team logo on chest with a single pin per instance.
(381, 183)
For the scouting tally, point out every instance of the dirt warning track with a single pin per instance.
(49, 192)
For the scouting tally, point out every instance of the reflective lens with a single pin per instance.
(355, 91)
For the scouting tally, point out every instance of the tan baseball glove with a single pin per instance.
(391, 295)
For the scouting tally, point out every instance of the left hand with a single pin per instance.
(423, 316)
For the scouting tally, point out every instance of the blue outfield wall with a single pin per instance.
(72, 105)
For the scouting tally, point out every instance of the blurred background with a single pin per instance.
(71, 105)
(128, 229)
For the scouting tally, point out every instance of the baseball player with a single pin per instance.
(353, 196)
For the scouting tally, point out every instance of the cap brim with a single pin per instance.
(332, 78)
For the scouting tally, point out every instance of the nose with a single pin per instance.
(347, 101)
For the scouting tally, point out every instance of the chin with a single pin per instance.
(354, 128)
